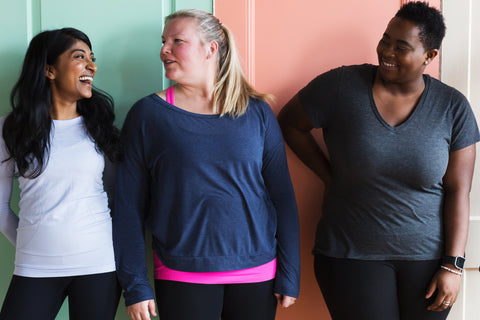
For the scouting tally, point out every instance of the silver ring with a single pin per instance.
(447, 303)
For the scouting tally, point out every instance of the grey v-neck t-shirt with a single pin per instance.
(386, 200)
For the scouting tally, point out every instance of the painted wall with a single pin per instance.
(285, 44)
(126, 39)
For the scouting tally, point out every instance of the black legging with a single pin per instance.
(92, 297)
(189, 301)
(377, 290)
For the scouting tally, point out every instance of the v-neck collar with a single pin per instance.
(411, 117)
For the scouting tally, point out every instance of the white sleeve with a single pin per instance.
(8, 219)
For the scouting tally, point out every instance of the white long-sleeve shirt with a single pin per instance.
(64, 226)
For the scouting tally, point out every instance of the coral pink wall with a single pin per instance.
(285, 44)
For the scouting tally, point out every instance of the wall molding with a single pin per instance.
(34, 18)
(250, 9)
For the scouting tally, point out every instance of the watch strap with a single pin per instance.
(457, 261)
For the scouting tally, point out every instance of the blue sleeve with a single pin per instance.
(131, 205)
(277, 180)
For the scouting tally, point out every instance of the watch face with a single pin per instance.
(459, 262)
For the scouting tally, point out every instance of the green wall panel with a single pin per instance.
(126, 40)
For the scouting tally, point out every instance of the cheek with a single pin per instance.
(181, 52)
(413, 63)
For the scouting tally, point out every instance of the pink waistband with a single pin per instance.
(260, 273)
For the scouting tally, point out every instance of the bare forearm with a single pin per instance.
(456, 218)
(308, 151)
(457, 183)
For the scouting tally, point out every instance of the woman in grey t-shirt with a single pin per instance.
(391, 241)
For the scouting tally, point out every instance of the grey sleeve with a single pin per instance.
(318, 98)
(464, 126)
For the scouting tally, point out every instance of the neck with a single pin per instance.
(203, 92)
(200, 96)
(63, 111)
(407, 88)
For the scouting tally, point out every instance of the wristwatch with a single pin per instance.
(458, 261)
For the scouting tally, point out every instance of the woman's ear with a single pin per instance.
(212, 49)
(430, 55)
(49, 72)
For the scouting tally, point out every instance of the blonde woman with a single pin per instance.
(205, 172)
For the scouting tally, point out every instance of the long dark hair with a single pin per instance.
(26, 130)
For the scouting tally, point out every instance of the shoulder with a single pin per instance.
(444, 90)
(260, 108)
(339, 72)
(451, 102)
(441, 94)
(143, 108)
(147, 102)
(2, 121)
(3, 149)
(162, 94)
(259, 104)
(337, 78)
(358, 73)
(260, 113)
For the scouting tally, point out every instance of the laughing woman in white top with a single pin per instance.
(57, 140)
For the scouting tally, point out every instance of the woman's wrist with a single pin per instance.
(452, 269)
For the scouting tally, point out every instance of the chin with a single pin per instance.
(170, 76)
(87, 96)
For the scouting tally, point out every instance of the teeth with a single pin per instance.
(86, 78)
(389, 64)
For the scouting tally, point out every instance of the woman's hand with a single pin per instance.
(142, 310)
(447, 286)
(284, 301)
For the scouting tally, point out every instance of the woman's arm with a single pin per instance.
(296, 131)
(457, 184)
(276, 177)
(8, 219)
(131, 203)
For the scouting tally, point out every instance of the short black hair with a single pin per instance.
(428, 19)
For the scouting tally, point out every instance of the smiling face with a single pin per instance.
(71, 76)
(401, 54)
(184, 55)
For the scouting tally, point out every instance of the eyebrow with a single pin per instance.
(81, 50)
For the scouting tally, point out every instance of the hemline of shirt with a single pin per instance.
(368, 257)
(72, 272)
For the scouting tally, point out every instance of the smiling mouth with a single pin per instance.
(86, 79)
(388, 64)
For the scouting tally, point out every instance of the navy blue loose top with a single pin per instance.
(214, 191)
